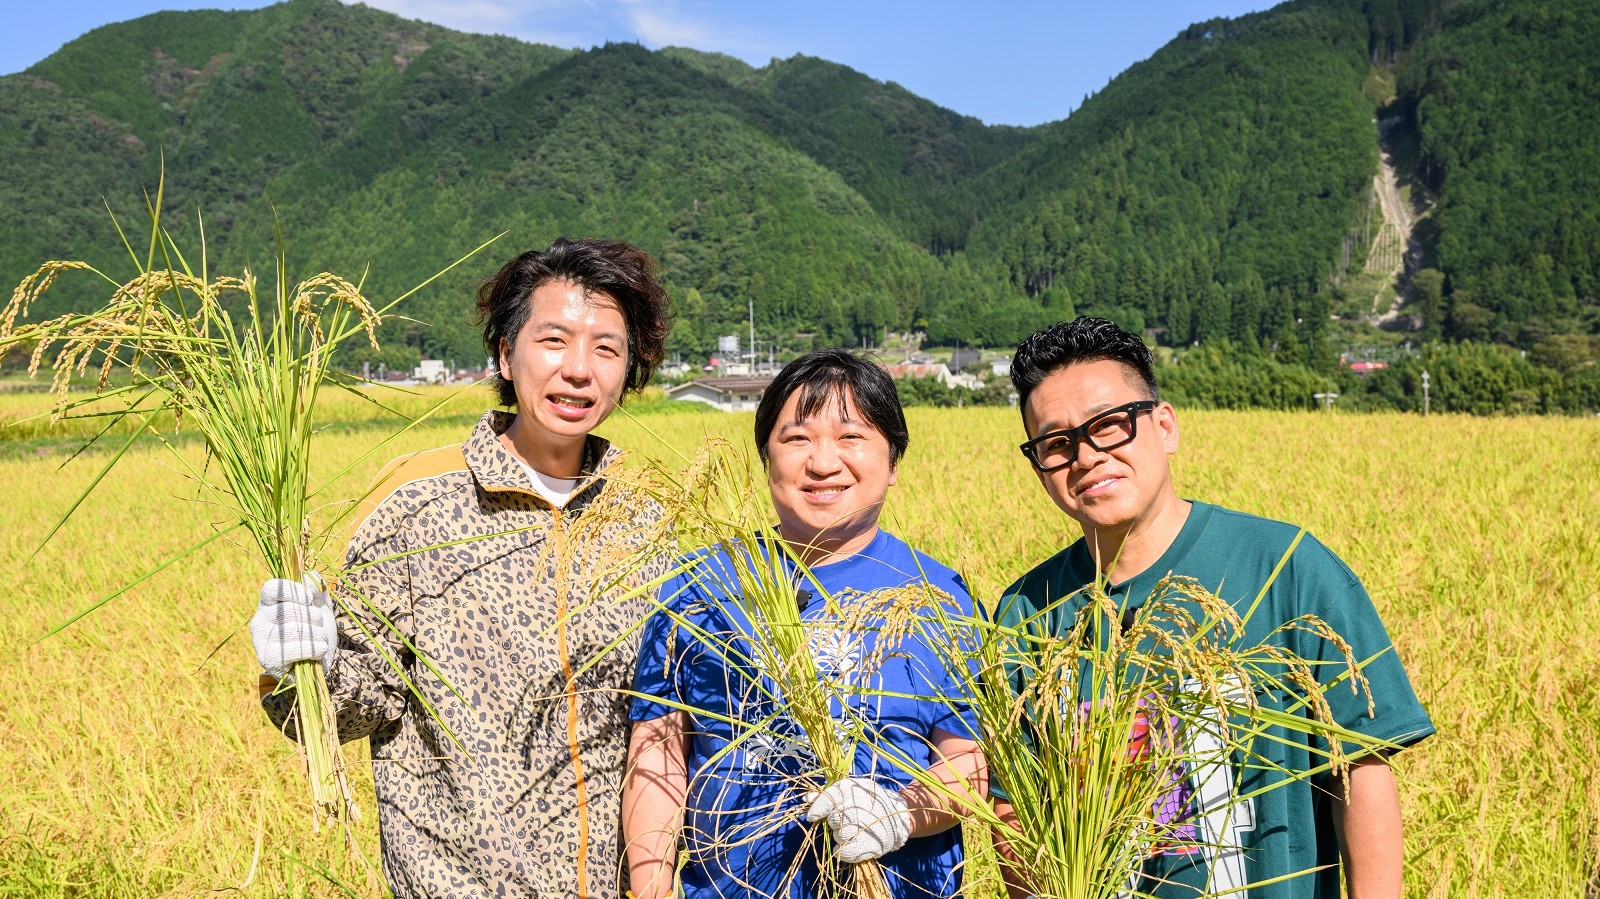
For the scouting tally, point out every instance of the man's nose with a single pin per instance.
(823, 458)
(575, 362)
(1085, 455)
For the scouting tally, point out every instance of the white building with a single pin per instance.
(727, 394)
(430, 371)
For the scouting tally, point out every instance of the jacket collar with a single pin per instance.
(497, 470)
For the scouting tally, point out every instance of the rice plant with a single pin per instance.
(722, 525)
(1486, 577)
(244, 367)
(1091, 728)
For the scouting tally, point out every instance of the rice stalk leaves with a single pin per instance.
(242, 368)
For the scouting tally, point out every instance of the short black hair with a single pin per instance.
(619, 270)
(835, 375)
(1081, 340)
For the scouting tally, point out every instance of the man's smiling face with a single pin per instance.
(570, 361)
(1113, 489)
(828, 474)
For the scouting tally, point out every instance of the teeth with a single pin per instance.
(573, 401)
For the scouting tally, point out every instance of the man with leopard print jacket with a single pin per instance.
(471, 569)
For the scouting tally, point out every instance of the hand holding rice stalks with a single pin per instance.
(1090, 731)
(718, 504)
(244, 370)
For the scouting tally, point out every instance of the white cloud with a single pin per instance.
(666, 23)
(660, 30)
(586, 23)
(498, 16)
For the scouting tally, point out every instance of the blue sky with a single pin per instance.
(1015, 63)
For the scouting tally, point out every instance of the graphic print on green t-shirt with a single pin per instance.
(1287, 830)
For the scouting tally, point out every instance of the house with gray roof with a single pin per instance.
(727, 394)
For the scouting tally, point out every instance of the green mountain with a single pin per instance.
(1220, 190)
(1503, 100)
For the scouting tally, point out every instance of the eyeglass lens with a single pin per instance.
(1104, 433)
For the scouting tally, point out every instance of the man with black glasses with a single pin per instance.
(1100, 440)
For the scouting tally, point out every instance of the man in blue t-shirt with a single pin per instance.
(717, 770)
(1100, 440)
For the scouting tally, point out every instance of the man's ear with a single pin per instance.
(505, 359)
(1167, 420)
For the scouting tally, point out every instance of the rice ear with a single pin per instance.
(1088, 728)
(242, 368)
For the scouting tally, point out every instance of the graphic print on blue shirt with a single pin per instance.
(742, 825)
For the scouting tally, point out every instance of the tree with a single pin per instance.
(1427, 294)
(1213, 315)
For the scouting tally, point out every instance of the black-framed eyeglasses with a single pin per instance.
(1106, 431)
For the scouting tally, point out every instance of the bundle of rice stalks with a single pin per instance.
(1089, 731)
(719, 508)
(241, 366)
(607, 558)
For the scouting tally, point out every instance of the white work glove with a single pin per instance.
(867, 820)
(293, 622)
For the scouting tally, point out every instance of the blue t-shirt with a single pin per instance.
(1286, 831)
(742, 825)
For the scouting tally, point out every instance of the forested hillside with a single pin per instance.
(1216, 192)
(1207, 190)
(1506, 102)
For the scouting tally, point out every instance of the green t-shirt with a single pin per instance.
(1287, 830)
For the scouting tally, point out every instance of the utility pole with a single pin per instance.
(1424, 391)
(752, 334)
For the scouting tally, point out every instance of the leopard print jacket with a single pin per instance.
(511, 788)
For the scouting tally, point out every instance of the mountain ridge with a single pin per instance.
(1203, 194)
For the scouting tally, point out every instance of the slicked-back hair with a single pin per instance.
(619, 270)
(1080, 340)
(835, 376)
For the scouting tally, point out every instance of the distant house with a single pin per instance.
(919, 370)
(727, 394)
(430, 371)
(1367, 368)
(960, 359)
(1001, 368)
(934, 370)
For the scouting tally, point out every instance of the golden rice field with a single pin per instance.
(135, 761)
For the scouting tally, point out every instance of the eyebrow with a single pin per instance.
(1053, 425)
(563, 329)
(800, 422)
